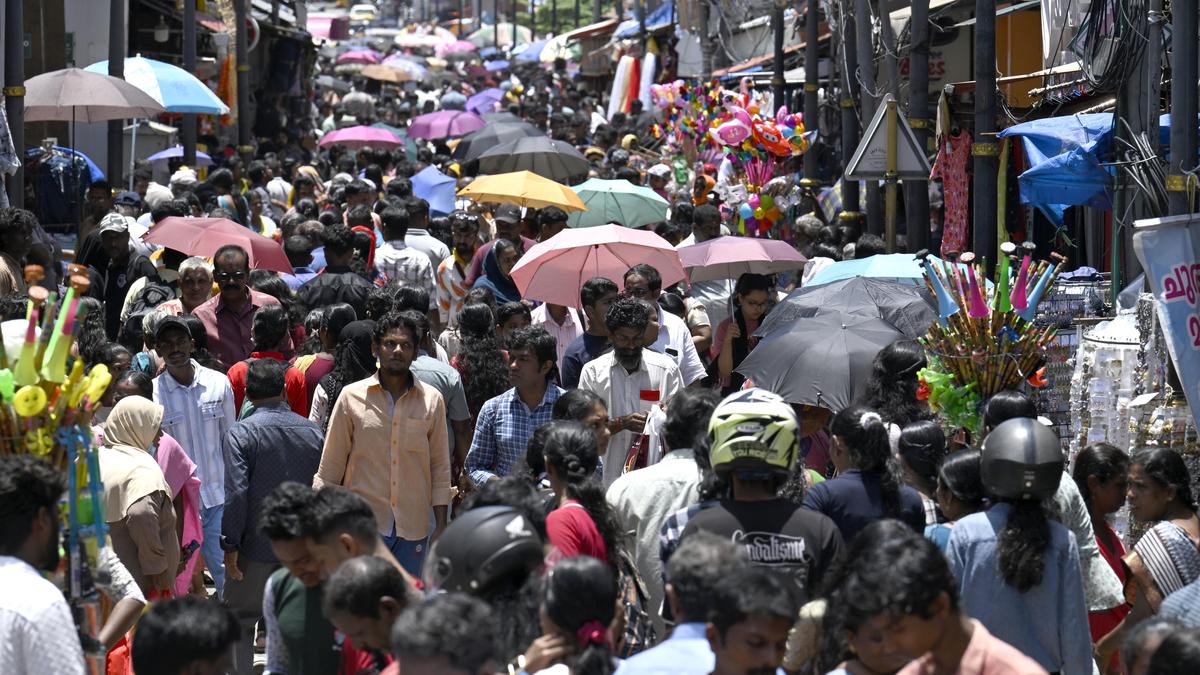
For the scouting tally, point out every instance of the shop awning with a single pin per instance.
(655, 20)
(901, 17)
(592, 30)
(759, 62)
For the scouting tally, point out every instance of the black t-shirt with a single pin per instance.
(800, 545)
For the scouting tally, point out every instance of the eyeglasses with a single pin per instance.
(229, 276)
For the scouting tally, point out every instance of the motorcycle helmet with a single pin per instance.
(753, 429)
(1021, 459)
(482, 548)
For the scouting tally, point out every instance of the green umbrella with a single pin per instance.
(617, 201)
(410, 146)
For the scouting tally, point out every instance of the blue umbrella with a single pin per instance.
(175, 88)
(496, 65)
(899, 267)
(176, 152)
(436, 188)
(94, 171)
(488, 52)
(532, 51)
(486, 100)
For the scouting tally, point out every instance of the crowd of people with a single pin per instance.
(388, 460)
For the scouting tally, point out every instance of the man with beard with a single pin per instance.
(630, 379)
(451, 273)
(35, 620)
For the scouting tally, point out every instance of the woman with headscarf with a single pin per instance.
(137, 498)
(354, 361)
(312, 187)
(497, 268)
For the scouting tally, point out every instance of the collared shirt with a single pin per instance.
(298, 277)
(40, 637)
(428, 244)
(1048, 622)
(391, 452)
(395, 260)
(229, 330)
(621, 392)
(565, 334)
(685, 652)
(198, 415)
(270, 447)
(451, 289)
(675, 340)
(502, 431)
(641, 501)
(985, 655)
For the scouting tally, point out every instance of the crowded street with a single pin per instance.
(669, 337)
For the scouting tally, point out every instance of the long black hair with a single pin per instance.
(1006, 405)
(570, 447)
(891, 388)
(1022, 544)
(1166, 468)
(960, 475)
(481, 359)
(922, 447)
(866, 438)
(353, 361)
(581, 599)
(1100, 460)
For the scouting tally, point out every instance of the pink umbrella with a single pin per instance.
(456, 46)
(361, 137)
(731, 257)
(445, 123)
(364, 56)
(203, 236)
(554, 270)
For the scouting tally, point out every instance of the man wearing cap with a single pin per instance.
(125, 266)
(229, 317)
(508, 226)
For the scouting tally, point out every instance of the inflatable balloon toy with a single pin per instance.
(770, 137)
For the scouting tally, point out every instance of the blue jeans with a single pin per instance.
(409, 553)
(214, 557)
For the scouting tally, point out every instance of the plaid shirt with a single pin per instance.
(672, 531)
(395, 260)
(502, 431)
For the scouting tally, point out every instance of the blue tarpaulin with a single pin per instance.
(659, 17)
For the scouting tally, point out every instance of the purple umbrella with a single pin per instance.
(485, 101)
(496, 65)
(365, 56)
(444, 123)
(361, 137)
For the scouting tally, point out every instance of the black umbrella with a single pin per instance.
(476, 143)
(820, 360)
(548, 158)
(331, 82)
(503, 118)
(909, 309)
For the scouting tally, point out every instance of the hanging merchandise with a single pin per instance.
(950, 166)
(61, 178)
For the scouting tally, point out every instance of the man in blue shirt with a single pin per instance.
(596, 295)
(701, 562)
(506, 422)
(299, 251)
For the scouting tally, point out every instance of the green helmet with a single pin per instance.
(753, 429)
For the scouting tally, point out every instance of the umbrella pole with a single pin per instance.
(132, 152)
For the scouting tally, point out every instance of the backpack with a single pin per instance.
(153, 294)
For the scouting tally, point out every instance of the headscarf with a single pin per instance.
(315, 175)
(501, 286)
(128, 471)
(353, 361)
(370, 261)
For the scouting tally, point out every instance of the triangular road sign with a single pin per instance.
(870, 157)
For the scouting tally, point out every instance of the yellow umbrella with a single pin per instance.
(523, 188)
(383, 73)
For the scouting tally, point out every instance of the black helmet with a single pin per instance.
(481, 547)
(1021, 460)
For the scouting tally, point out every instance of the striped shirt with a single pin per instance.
(198, 415)
(396, 260)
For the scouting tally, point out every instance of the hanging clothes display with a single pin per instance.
(950, 166)
(9, 161)
(61, 178)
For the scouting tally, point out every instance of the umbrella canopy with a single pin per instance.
(75, 95)
(175, 88)
(203, 236)
(364, 56)
(413, 70)
(453, 101)
(908, 308)
(556, 160)
(505, 118)
(436, 188)
(410, 146)
(553, 270)
(361, 137)
(617, 201)
(498, 64)
(731, 257)
(415, 40)
(331, 82)
(486, 100)
(444, 123)
(822, 360)
(495, 133)
(177, 152)
(531, 52)
(523, 189)
(458, 46)
(483, 36)
(386, 73)
(561, 47)
(899, 267)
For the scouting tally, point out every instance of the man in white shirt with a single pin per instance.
(418, 236)
(39, 635)
(627, 375)
(397, 260)
(564, 323)
(674, 337)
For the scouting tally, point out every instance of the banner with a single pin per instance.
(1169, 250)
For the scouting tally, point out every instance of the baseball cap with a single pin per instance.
(128, 198)
(168, 322)
(508, 213)
(114, 222)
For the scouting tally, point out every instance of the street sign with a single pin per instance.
(870, 158)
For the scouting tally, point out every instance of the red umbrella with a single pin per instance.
(203, 236)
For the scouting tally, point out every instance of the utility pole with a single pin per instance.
(891, 76)
(1183, 105)
(866, 71)
(577, 13)
(812, 59)
(596, 10)
(777, 29)
(189, 64)
(554, 17)
(706, 55)
(243, 82)
(641, 11)
(850, 200)
(917, 202)
(116, 68)
(14, 93)
(986, 158)
(496, 24)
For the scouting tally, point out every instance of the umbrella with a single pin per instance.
(387, 73)
(617, 201)
(416, 40)
(75, 95)
(475, 144)
(203, 236)
(444, 123)
(558, 48)
(176, 152)
(412, 69)
(822, 360)
(453, 101)
(900, 267)
(486, 100)
(908, 308)
(363, 56)
(553, 270)
(493, 66)
(483, 36)
(531, 52)
(523, 189)
(436, 188)
(361, 137)
(546, 157)
(458, 46)
(330, 82)
(489, 52)
(175, 88)
(410, 146)
(506, 117)
(731, 257)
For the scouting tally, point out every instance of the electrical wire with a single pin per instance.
(1110, 41)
